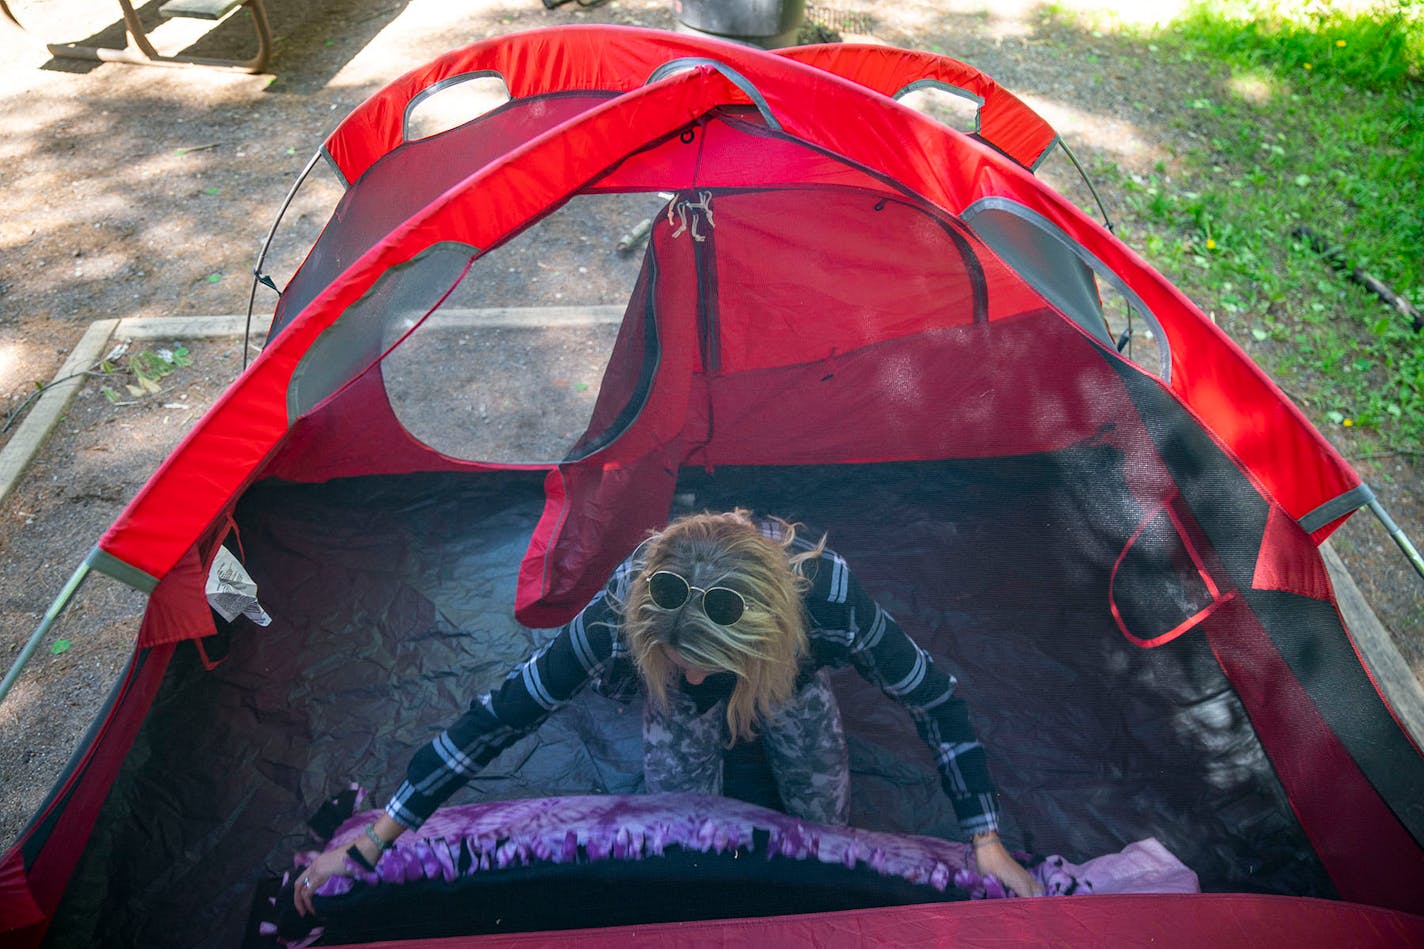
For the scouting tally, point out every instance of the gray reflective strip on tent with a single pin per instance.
(978, 102)
(122, 571)
(445, 85)
(398, 301)
(965, 94)
(730, 74)
(1336, 508)
(1353, 500)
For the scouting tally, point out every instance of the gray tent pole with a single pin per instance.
(257, 275)
(1399, 536)
(52, 614)
(1107, 221)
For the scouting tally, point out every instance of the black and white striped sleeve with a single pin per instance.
(854, 627)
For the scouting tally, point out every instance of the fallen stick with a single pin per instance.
(1364, 278)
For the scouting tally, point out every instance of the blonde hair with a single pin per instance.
(762, 649)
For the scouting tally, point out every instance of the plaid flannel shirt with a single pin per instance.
(846, 627)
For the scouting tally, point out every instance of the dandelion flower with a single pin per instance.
(1210, 244)
(1349, 422)
(1340, 43)
(1308, 66)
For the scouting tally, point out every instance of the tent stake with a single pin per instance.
(1399, 536)
(52, 614)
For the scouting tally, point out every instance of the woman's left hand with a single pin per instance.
(330, 864)
(994, 859)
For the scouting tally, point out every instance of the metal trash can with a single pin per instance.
(769, 24)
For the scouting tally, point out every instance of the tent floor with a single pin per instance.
(392, 603)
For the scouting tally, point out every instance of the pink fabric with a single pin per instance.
(1144, 866)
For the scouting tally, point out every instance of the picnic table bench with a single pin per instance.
(140, 48)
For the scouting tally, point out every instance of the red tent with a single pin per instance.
(846, 312)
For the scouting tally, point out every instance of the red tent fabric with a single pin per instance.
(1234, 399)
(1219, 920)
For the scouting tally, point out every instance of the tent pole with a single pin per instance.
(1107, 221)
(52, 614)
(257, 275)
(1399, 536)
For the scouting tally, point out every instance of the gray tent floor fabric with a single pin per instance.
(392, 602)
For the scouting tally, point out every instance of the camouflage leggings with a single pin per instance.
(805, 743)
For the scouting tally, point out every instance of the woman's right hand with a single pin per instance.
(994, 859)
(332, 863)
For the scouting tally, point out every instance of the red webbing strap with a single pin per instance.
(1217, 597)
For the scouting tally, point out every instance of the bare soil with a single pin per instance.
(140, 191)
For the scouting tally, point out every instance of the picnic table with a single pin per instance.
(140, 49)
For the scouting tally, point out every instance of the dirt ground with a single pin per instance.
(135, 191)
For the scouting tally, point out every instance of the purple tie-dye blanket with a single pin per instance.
(486, 837)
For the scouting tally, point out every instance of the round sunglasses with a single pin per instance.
(669, 591)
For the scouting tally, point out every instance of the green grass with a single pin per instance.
(1305, 117)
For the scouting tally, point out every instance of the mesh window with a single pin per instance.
(1073, 280)
(454, 102)
(408, 179)
(947, 104)
(399, 300)
(1159, 584)
(523, 342)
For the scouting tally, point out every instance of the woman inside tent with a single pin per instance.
(727, 623)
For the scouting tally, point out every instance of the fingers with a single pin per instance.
(1024, 884)
(993, 859)
(1017, 880)
(304, 890)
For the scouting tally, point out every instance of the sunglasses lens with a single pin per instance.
(723, 607)
(668, 590)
